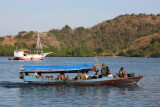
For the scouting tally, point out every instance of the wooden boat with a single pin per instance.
(27, 72)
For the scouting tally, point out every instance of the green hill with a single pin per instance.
(117, 36)
(147, 46)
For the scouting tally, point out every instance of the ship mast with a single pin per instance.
(39, 46)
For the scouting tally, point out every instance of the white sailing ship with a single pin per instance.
(20, 54)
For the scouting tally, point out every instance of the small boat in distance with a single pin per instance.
(20, 54)
(42, 75)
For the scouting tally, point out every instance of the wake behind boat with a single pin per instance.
(25, 54)
(37, 75)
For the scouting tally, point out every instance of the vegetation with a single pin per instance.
(6, 50)
(151, 50)
(110, 37)
(80, 51)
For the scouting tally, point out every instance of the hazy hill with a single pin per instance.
(120, 35)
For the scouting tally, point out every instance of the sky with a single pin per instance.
(44, 15)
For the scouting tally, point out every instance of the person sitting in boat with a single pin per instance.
(87, 76)
(38, 75)
(82, 76)
(121, 73)
(62, 76)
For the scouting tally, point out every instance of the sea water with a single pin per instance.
(15, 93)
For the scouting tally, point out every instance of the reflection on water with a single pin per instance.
(71, 95)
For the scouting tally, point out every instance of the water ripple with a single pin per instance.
(14, 92)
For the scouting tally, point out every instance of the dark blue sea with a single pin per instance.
(15, 93)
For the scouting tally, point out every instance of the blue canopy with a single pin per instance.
(80, 67)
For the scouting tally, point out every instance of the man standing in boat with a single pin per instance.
(105, 70)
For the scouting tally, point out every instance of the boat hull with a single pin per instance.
(29, 57)
(101, 81)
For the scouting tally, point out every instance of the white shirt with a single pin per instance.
(86, 76)
(35, 74)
